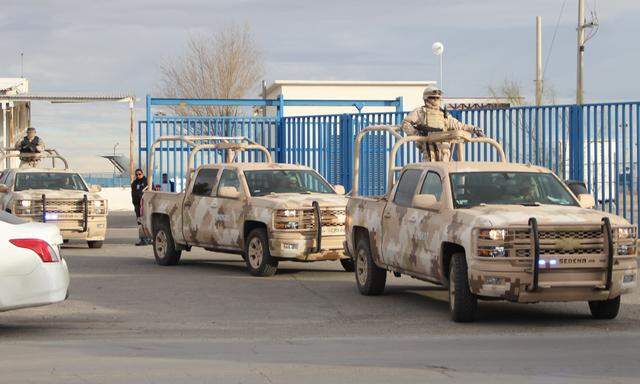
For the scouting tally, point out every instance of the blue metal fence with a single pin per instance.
(596, 143)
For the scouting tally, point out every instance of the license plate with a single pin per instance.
(49, 216)
(333, 230)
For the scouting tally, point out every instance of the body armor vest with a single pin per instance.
(435, 118)
(27, 146)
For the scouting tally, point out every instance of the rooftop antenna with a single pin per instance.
(22, 65)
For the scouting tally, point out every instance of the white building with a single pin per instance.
(15, 116)
(410, 91)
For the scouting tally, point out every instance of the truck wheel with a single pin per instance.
(462, 303)
(605, 309)
(94, 244)
(257, 255)
(164, 248)
(370, 278)
(347, 264)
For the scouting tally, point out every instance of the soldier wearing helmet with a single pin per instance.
(30, 147)
(432, 118)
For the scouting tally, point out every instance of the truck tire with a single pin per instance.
(462, 303)
(164, 247)
(257, 255)
(94, 244)
(605, 309)
(370, 278)
(347, 264)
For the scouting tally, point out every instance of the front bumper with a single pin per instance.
(73, 228)
(566, 286)
(302, 247)
(47, 284)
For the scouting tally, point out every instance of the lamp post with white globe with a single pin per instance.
(438, 50)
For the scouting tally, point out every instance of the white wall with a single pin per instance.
(119, 198)
(411, 91)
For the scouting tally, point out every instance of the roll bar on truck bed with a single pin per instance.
(455, 138)
(232, 145)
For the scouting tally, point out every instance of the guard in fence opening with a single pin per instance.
(137, 186)
(30, 147)
(432, 118)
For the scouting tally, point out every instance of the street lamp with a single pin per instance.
(438, 50)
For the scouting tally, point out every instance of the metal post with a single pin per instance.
(346, 139)
(538, 60)
(280, 130)
(131, 140)
(442, 70)
(4, 130)
(148, 134)
(579, 89)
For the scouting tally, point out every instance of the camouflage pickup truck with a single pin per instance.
(54, 195)
(489, 230)
(264, 211)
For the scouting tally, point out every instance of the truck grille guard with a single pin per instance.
(85, 212)
(318, 215)
(535, 234)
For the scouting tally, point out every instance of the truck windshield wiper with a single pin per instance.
(531, 204)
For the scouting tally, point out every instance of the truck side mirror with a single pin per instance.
(339, 189)
(4, 188)
(426, 202)
(229, 192)
(586, 200)
(95, 188)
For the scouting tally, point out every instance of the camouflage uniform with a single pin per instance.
(432, 116)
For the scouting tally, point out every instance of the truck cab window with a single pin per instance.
(407, 187)
(432, 185)
(229, 178)
(205, 181)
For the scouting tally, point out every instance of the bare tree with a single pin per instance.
(226, 65)
(508, 89)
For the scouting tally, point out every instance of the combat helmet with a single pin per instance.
(431, 90)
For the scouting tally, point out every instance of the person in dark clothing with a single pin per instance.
(30, 146)
(137, 188)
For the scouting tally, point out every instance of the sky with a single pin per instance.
(113, 47)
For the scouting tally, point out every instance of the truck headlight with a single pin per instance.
(492, 252)
(97, 203)
(287, 219)
(493, 234)
(624, 233)
(24, 203)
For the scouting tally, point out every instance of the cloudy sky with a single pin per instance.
(115, 46)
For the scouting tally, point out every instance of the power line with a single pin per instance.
(553, 39)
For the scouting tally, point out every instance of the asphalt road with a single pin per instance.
(206, 320)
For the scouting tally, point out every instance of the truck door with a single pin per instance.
(395, 219)
(424, 225)
(229, 212)
(198, 210)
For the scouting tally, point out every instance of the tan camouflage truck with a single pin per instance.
(487, 231)
(264, 211)
(54, 195)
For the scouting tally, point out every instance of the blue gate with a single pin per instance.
(595, 143)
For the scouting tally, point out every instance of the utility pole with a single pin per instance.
(579, 89)
(538, 60)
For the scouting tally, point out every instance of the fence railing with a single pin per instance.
(595, 143)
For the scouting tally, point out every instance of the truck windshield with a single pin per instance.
(264, 182)
(49, 180)
(521, 188)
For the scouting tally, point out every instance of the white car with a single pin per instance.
(32, 270)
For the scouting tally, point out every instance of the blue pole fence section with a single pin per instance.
(594, 143)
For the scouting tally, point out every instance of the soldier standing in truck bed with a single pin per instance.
(432, 118)
(30, 146)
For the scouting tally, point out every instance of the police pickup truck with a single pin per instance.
(488, 230)
(266, 212)
(54, 195)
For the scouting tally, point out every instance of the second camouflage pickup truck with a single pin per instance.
(490, 230)
(262, 210)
